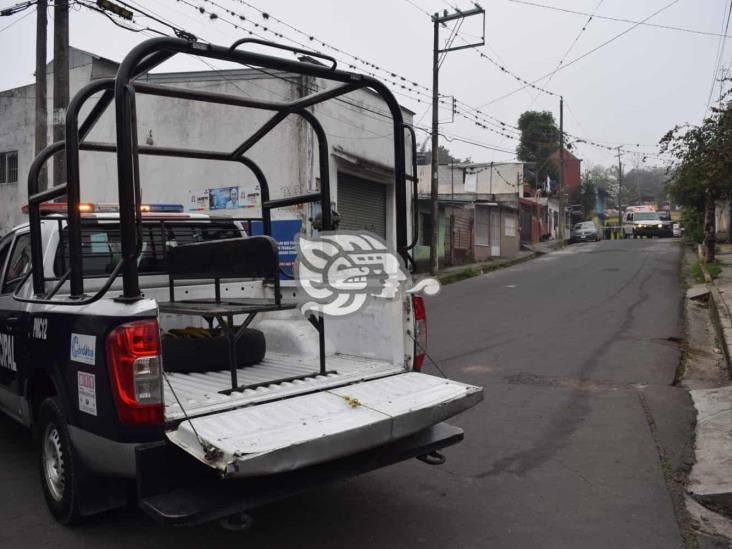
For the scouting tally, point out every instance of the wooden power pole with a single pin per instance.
(41, 105)
(60, 83)
(561, 169)
(620, 188)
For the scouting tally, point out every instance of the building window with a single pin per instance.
(509, 225)
(9, 167)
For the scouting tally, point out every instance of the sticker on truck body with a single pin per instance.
(40, 328)
(83, 348)
(87, 393)
(7, 352)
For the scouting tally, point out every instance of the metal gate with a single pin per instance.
(495, 233)
(461, 232)
(361, 204)
(525, 219)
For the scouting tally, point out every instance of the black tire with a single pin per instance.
(212, 354)
(59, 468)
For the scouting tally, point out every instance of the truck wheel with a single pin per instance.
(58, 467)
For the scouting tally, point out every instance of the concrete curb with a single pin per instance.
(721, 318)
(471, 271)
(477, 269)
(709, 480)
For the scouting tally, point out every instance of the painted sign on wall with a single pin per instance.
(223, 198)
(285, 232)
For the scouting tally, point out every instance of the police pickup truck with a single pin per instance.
(166, 350)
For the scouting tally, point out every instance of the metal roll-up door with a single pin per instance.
(361, 204)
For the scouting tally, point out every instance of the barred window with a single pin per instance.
(9, 167)
(12, 161)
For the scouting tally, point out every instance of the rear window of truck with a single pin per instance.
(101, 248)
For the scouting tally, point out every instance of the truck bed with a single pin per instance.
(199, 393)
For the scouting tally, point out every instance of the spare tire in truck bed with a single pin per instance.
(208, 353)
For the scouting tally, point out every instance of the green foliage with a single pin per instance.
(588, 196)
(539, 139)
(697, 273)
(644, 185)
(692, 220)
(701, 171)
(697, 270)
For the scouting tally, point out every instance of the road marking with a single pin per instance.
(511, 286)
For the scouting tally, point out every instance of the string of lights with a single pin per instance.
(477, 117)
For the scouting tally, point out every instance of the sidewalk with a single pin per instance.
(469, 270)
(710, 480)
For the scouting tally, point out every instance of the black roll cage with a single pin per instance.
(122, 91)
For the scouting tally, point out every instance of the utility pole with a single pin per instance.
(620, 188)
(561, 169)
(60, 83)
(438, 20)
(434, 170)
(41, 107)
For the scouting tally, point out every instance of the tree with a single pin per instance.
(700, 173)
(646, 185)
(607, 180)
(588, 195)
(539, 139)
(443, 155)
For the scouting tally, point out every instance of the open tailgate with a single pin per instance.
(297, 432)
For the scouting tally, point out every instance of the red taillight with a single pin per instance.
(420, 331)
(133, 357)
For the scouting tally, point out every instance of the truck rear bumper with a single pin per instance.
(175, 489)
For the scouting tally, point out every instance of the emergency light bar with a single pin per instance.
(88, 207)
(60, 207)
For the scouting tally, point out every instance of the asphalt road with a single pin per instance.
(577, 443)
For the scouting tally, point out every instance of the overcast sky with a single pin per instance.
(630, 91)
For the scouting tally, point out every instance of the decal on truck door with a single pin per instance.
(87, 393)
(7, 352)
(83, 348)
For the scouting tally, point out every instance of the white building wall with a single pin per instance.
(17, 133)
(288, 155)
(496, 178)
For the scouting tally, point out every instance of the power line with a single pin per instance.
(273, 75)
(180, 33)
(576, 59)
(452, 137)
(482, 120)
(498, 65)
(16, 8)
(576, 38)
(616, 19)
(448, 136)
(719, 56)
(16, 20)
(487, 120)
(467, 112)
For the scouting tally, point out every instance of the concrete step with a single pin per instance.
(710, 481)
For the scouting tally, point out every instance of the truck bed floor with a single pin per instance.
(199, 392)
